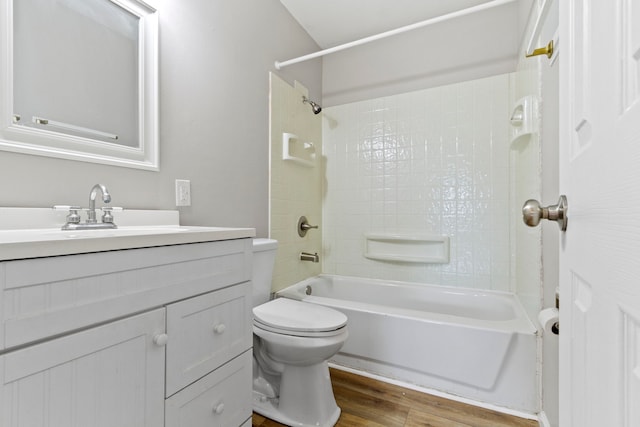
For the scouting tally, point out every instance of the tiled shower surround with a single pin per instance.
(295, 190)
(428, 162)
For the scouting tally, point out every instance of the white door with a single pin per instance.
(600, 251)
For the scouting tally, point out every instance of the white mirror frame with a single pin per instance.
(27, 140)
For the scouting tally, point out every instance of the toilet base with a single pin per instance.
(306, 398)
(269, 408)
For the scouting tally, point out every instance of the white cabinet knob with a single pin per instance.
(219, 408)
(219, 328)
(161, 339)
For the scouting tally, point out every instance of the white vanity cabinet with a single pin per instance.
(157, 336)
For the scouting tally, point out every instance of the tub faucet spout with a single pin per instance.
(305, 256)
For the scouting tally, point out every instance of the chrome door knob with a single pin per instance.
(533, 212)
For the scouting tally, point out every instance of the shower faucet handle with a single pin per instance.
(304, 226)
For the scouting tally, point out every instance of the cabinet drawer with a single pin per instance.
(43, 297)
(222, 398)
(206, 331)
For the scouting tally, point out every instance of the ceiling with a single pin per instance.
(333, 22)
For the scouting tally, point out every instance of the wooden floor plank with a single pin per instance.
(364, 405)
(260, 421)
(423, 419)
(351, 420)
(439, 406)
(366, 402)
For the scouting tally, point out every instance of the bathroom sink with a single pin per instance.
(18, 241)
(121, 231)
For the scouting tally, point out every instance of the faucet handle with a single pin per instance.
(304, 226)
(74, 216)
(107, 216)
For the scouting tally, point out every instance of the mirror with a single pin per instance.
(80, 81)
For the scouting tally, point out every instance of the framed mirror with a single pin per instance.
(79, 80)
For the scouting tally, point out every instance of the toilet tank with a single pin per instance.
(264, 258)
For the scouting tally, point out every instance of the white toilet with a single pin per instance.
(292, 341)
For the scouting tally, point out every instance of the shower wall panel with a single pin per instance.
(295, 188)
(435, 161)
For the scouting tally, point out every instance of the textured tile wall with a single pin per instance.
(527, 184)
(427, 162)
(295, 190)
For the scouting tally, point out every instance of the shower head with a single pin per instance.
(315, 107)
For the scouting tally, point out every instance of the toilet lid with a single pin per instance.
(296, 316)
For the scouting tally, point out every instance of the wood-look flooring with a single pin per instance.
(367, 402)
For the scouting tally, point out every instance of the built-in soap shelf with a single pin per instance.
(524, 117)
(426, 249)
(298, 151)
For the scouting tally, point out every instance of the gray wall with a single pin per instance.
(215, 56)
(461, 49)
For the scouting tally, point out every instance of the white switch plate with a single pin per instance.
(183, 192)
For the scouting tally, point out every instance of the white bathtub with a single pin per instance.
(475, 344)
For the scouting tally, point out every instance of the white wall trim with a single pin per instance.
(543, 420)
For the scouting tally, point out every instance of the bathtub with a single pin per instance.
(479, 345)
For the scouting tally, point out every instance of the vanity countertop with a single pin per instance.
(136, 229)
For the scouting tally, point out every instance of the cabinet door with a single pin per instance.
(111, 375)
(205, 332)
(220, 399)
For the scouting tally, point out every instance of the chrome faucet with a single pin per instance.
(106, 197)
(305, 256)
(74, 220)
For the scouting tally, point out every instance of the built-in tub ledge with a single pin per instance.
(35, 232)
(428, 249)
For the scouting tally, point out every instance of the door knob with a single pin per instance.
(533, 212)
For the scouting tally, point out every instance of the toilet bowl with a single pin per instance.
(292, 342)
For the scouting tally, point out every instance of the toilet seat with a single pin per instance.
(291, 317)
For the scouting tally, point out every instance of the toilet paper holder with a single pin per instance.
(555, 328)
(549, 318)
